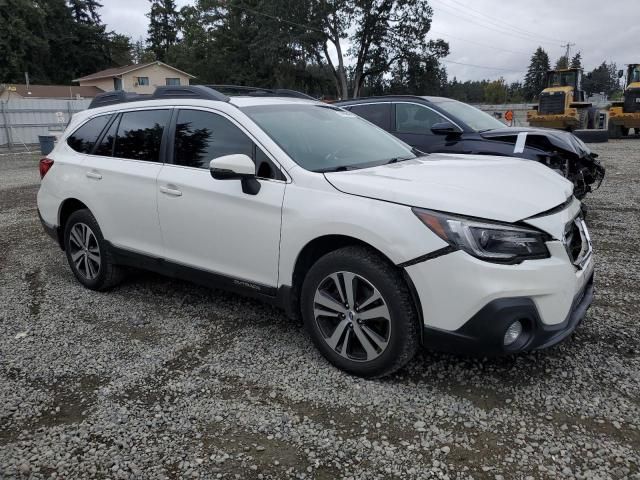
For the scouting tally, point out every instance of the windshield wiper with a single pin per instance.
(341, 168)
(398, 159)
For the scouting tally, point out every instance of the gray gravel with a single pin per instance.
(163, 379)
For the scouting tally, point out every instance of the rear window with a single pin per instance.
(140, 135)
(84, 138)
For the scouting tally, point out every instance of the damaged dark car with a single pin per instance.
(443, 125)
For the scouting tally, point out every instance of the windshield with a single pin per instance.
(634, 74)
(562, 79)
(472, 116)
(323, 138)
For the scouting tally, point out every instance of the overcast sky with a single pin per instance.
(497, 35)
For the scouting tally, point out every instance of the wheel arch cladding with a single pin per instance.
(67, 208)
(313, 251)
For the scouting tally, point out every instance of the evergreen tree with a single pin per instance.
(163, 28)
(602, 79)
(85, 11)
(576, 61)
(562, 63)
(534, 81)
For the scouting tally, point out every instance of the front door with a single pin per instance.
(413, 124)
(211, 224)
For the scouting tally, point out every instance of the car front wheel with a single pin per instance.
(359, 312)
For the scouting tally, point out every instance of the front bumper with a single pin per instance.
(467, 304)
(484, 332)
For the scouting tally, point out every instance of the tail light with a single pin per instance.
(45, 166)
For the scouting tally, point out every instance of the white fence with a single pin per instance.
(22, 120)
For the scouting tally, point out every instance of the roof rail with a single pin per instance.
(260, 92)
(186, 91)
(204, 92)
(117, 96)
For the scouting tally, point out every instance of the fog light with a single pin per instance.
(513, 333)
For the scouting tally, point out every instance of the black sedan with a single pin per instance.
(438, 124)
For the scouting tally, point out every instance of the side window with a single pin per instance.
(265, 167)
(84, 138)
(140, 135)
(202, 136)
(412, 118)
(105, 147)
(379, 114)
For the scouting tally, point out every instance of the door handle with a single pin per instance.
(171, 191)
(94, 175)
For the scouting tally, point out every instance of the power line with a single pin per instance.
(481, 66)
(476, 21)
(510, 25)
(441, 34)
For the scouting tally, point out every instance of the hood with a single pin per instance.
(560, 139)
(497, 188)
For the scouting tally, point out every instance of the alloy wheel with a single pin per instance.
(84, 251)
(352, 316)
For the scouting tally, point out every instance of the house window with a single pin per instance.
(141, 81)
(173, 81)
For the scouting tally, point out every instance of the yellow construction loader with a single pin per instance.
(625, 115)
(562, 103)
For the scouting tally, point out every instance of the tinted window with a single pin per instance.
(412, 118)
(140, 135)
(105, 147)
(84, 138)
(203, 136)
(379, 114)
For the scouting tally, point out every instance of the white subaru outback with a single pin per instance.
(379, 248)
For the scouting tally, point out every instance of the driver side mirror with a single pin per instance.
(445, 128)
(236, 167)
(620, 73)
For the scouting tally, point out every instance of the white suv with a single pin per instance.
(379, 248)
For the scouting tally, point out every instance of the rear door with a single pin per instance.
(120, 178)
(211, 224)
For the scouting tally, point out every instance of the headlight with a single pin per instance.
(493, 242)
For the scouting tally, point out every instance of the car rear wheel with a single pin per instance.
(359, 312)
(87, 252)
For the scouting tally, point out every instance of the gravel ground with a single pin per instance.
(164, 379)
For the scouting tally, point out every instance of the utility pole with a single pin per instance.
(568, 50)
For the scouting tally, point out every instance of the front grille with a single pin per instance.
(551, 103)
(577, 242)
(632, 101)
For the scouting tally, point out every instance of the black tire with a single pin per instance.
(404, 325)
(107, 274)
(615, 131)
(592, 121)
(583, 118)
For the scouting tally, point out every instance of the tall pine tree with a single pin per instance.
(576, 61)
(163, 27)
(534, 81)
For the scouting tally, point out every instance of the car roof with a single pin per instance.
(237, 101)
(426, 98)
